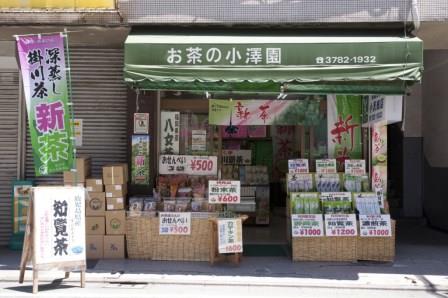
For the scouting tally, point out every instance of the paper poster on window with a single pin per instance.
(140, 160)
(43, 67)
(59, 225)
(236, 157)
(141, 123)
(199, 140)
(170, 129)
(230, 236)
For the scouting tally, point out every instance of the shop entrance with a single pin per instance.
(256, 155)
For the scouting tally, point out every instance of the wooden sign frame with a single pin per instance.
(28, 255)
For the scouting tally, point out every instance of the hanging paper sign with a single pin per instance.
(230, 236)
(140, 160)
(380, 196)
(344, 128)
(384, 109)
(43, 68)
(340, 225)
(263, 112)
(174, 223)
(375, 225)
(199, 140)
(170, 129)
(326, 166)
(379, 144)
(355, 167)
(307, 225)
(59, 225)
(236, 157)
(141, 123)
(188, 164)
(77, 129)
(298, 166)
(224, 192)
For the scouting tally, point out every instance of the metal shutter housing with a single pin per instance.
(9, 132)
(99, 97)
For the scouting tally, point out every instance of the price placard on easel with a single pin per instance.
(59, 225)
(230, 235)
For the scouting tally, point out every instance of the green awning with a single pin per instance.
(326, 64)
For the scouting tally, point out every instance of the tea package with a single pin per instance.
(300, 183)
(356, 183)
(367, 203)
(328, 182)
(336, 202)
(305, 203)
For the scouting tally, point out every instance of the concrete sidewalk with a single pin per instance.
(421, 264)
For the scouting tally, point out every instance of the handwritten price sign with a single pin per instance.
(307, 225)
(375, 225)
(340, 225)
(230, 236)
(188, 164)
(298, 166)
(355, 167)
(174, 223)
(326, 166)
(224, 192)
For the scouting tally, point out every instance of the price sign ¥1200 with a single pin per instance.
(224, 192)
(340, 225)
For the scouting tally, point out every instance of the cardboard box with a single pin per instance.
(115, 174)
(95, 225)
(116, 190)
(94, 246)
(80, 184)
(114, 247)
(96, 188)
(96, 204)
(80, 173)
(115, 222)
(115, 203)
(94, 181)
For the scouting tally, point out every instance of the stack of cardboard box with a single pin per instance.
(95, 218)
(115, 178)
(77, 177)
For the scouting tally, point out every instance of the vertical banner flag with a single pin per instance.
(344, 128)
(43, 68)
(140, 159)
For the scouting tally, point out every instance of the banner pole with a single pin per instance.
(70, 104)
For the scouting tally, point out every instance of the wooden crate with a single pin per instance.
(380, 249)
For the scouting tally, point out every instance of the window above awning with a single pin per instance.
(325, 64)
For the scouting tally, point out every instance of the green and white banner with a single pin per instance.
(43, 68)
(344, 128)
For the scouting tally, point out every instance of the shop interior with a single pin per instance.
(257, 155)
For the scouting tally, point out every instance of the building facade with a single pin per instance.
(98, 29)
